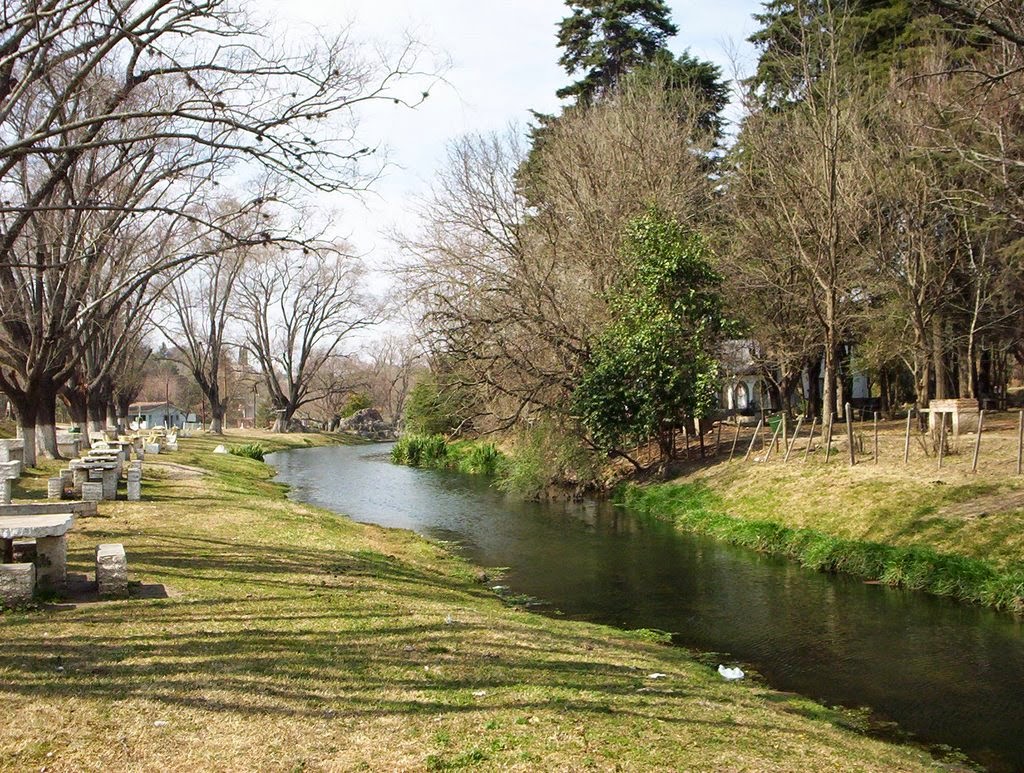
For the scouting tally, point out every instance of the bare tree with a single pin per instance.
(196, 307)
(511, 294)
(297, 308)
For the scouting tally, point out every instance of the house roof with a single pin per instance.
(145, 407)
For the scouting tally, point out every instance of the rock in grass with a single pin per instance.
(221, 449)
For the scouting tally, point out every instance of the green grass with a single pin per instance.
(270, 635)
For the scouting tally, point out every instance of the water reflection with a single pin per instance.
(949, 673)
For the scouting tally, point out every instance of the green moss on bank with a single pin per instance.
(270, 635)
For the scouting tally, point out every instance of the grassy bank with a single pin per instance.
(474, 457)
(951, 533)
(269, 635)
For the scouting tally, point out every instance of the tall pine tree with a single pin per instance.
(605, 39)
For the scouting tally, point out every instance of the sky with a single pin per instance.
(501, 62)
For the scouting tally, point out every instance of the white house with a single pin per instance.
(149, 415)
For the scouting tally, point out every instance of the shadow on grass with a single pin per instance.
(297, 666)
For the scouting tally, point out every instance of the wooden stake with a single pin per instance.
(750, 448)
(718, 441)
(828, 440)
(735, 440)
(792, 440)
(810, 437)
(849, 436)
(942, 438)
(906, 443)
(785, 431)
(1020, 444)
(876, 437)
(775, 437)
(977, 440)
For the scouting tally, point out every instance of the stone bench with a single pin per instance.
(50, 534)
(69, 445)
(12, 450)
(111, 570)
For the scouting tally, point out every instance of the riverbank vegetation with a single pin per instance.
(951, 532)
(266, 634)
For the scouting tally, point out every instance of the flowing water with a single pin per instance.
(945, 672)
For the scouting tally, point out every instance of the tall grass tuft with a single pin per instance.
(249, 450)
(420, 451)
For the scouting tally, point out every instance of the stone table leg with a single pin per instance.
(52, 561)
(8, 551)
(110, 484)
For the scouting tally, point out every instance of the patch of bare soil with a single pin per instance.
(174, 471)
(987, 504)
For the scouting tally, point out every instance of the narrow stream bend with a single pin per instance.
(948, 673)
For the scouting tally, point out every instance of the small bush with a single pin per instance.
(420, 451)
(249, 450)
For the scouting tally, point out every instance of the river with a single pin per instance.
(945, 672)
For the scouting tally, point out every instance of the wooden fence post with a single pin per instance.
(750, 448)
(718, 440)
(775, 437)
(810, 437)
(942, 438)
(1020, 444)
(876, 437)
(906, 443)
(828, 437)
(792, 440)
(849, 436)
(735, 440)
(977, 440)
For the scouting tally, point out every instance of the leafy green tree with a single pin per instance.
(604, 39)
(654, 366)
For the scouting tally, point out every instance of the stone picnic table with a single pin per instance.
(49, 530)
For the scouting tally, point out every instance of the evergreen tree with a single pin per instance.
(604, 39)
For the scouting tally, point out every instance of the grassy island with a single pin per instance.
(264, 634)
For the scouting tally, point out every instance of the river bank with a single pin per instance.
(951, 532)
(274, 635)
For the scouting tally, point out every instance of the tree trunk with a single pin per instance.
(828, 388)
(217, 420)
(46, 421)
(27, 408)
(97, 414)
(939, 359)
(78, 408)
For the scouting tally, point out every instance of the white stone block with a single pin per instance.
(134, 490)
(17, 583)
(5, 492)
(55, 488)
(111, 570)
